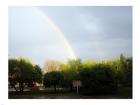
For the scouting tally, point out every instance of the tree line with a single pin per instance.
(103, 77)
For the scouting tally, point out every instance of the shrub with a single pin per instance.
(99, 79)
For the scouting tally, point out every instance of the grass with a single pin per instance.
(42, 95)
(122, 93)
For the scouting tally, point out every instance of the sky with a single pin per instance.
(67, 32)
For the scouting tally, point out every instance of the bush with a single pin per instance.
(99, 79)
(53, 78)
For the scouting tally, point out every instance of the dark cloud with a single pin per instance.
(85, 26)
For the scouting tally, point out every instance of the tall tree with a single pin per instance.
(71, 71)
(23, 72)
(38, 74)
(13, 73)
(51, 65)
(53, 78)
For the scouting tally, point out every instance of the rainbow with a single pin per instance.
(67, 45)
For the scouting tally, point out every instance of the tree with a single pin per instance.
(71, 72)
(125, 70)
(75, 64)
(13, 72)
(99, 79)
(69, 77)
(38, 74)
(89, 64)
(23, 72)
(26, 72)
(53, 78)
(51, 65)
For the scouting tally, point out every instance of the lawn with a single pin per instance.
(123, 93)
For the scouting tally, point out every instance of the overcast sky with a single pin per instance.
(96, 33)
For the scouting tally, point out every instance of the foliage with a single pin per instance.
(104, 77)
(53, 78)
(70, 72)
(51, 65)
(99, 79)
(13, 72)
(38, 74)
(23, 72)
(125, 71)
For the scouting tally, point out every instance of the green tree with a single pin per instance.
(74, 64)
(53, 78)
(99, 79)
(13, 73)
(125, 70)
(23, 72)
(71, 71)
(69, 77)
(38, 74)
